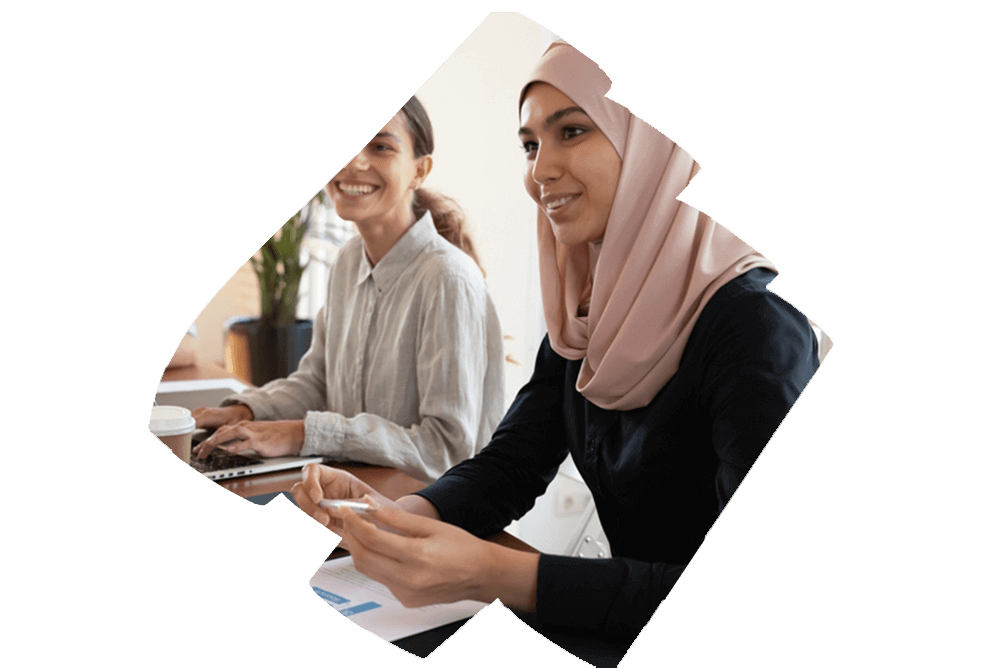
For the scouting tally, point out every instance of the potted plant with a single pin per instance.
(277, 340)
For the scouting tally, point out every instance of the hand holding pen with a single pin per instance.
(340, 504)
(326, 493)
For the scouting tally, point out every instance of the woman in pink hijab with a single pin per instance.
(667, 367)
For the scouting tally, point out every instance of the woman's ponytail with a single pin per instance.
(449, 220)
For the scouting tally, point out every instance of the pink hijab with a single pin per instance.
(659, 262)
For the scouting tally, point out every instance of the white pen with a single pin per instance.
(356, 506)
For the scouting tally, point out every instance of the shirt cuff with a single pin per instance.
(613, 598)
(461, 506)
(573, 591)
(324, 435)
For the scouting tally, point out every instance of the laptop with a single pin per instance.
(219, 465)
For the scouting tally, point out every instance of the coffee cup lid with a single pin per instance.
(171, 421)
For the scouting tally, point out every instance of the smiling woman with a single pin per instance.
(667, 367)
(405, 367)
(575, 176)
(374, 191)
(380, 190)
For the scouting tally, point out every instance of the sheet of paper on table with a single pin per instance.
(373, 607)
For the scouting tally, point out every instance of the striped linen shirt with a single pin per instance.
(405, 368)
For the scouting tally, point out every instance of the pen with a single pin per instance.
(356, 506)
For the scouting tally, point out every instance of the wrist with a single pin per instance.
(243, 412)
(418, 505)
(300, 435)
(509, 575)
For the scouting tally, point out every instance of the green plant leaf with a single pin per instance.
(279, 270)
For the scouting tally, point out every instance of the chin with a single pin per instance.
(569, 237)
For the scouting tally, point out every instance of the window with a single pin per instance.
(326, 233)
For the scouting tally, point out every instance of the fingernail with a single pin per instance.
(321, 517)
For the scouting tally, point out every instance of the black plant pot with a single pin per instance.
(274, 350)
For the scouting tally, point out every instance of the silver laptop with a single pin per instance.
(219, 465)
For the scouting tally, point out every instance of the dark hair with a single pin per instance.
(449, 219)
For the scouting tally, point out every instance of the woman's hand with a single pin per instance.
(425, 561)
(211, 418)
(323, 482)
(403, 545)
(267, 439)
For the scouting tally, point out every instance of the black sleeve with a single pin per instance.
(763, 352)
(500, 484)
(610, 598)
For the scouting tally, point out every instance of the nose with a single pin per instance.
(548, 165)
(360, 162)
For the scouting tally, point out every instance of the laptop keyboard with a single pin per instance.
(219, 460)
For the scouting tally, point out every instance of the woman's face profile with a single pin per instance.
(376, 185)
(572, 169)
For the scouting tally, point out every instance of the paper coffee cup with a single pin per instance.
(173, 425)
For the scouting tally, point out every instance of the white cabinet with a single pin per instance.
(591, 542)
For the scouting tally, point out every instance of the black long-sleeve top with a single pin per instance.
(660, 475)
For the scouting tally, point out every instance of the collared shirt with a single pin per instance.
(660, 474)
(406, 363)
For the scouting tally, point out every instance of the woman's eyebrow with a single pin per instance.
(552, 118)
(382, 135)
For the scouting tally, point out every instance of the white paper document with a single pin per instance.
(372, 606)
